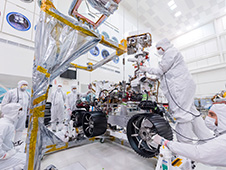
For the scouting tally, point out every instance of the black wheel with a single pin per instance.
(77, 116)
(142, 127)
(94, 123)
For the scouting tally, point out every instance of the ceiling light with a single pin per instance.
(171, 3)
(177, 14)
(173, 6)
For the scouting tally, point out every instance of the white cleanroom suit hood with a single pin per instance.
(164, 43)
(7, 127)
(212, 152)
(220, 110)
(20, 83)
(73, 86)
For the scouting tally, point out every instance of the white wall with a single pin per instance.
(204, 50)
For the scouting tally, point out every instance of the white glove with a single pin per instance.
(9, 154)
(143, 69)
(159, 140)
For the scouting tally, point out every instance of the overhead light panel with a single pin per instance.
(173, 6)
(177, 14)
(171, 3)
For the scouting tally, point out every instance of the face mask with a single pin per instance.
(74, 90)
(59, 88)
(160, 52)
(210, 123)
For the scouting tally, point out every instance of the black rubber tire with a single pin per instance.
(77, 116)
(94, 123)
(160, 126)
(48, 105)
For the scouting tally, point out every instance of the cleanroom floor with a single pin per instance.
(103, 156)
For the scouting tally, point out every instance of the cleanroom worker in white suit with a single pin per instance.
(21, 96)
(179, 88)
(11, 114)
(71, 100)
(213, 151)
(57, 108)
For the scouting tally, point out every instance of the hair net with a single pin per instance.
(220, 110)
(73, 86)
(11, 110)
(20, 83)
(164, 43)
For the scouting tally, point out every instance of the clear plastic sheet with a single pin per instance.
(56, 45)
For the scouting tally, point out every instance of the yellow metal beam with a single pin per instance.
(81, 67)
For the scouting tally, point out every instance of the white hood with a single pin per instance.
(165, 44)
(11, 111)
(73, 86)
(220, 110)
(60, 84)
(20, 83)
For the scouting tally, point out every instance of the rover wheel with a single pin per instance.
(141, 128)
(94, 123)
(77, 116)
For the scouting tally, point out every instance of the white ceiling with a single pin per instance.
(157, 15)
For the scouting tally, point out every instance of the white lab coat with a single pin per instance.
(57, 108)
(212, 152)
(23, 98)
(176, 81)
